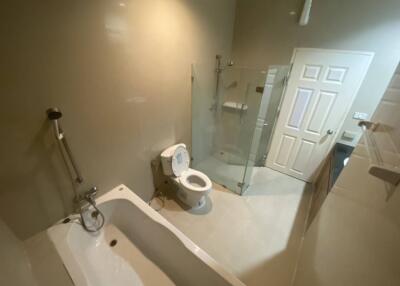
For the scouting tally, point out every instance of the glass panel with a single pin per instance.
(225, 109)
(274, 89)
(203, 120)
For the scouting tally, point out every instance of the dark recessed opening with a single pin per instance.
(113, 242)
(95, 214)
(67, 220)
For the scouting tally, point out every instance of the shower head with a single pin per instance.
(53, 113)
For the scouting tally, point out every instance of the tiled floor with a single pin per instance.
(257, 236)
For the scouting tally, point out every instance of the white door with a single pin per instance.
(320, 91)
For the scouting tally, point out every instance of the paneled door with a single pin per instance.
(321, 88)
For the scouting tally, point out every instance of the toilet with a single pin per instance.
(193, 186)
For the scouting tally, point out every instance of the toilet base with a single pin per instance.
(193, 203)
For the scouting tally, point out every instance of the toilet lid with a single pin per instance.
(180, 161)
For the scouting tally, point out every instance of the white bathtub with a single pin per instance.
(149, 250)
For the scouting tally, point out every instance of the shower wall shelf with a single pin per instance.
(382, 151)
(235, 106)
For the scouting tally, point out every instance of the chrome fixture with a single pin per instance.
(54, 114)
(86, 203)
(87, 200)
(219, 69)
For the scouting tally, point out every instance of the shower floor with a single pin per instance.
(228, 175)
(257, 236)
(233, 158)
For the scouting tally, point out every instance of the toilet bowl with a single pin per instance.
(193, 186)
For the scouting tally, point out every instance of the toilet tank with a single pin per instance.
(166, 159)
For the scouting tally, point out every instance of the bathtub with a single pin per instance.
(136, 246)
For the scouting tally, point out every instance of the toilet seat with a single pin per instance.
(195, 181)
(190, 179)
(180, 161)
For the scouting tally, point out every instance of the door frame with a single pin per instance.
(347, 110)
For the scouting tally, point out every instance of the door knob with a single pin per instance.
(329, 132)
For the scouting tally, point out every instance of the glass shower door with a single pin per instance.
(225, 107)
(268, 114)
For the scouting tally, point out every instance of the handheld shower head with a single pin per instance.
(53, 113)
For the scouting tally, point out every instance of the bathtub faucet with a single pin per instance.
(87, 199)
(91, 217)
(90, 196)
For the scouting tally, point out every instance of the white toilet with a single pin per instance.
(193, 186)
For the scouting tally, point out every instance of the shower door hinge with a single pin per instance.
(240, 184)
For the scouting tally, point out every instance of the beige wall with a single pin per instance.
(121, 76)
(354, 239)
(266, 33)
(15, 268)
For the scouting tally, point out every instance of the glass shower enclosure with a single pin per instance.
(233, 113)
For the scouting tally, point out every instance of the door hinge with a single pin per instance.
(285, 80)
(287, 76)
(290, 69)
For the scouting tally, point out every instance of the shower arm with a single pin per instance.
(53, 115)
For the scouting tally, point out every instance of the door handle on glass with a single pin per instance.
(330, 132)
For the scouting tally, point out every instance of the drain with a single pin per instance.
(113, 242)
(67, 220)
